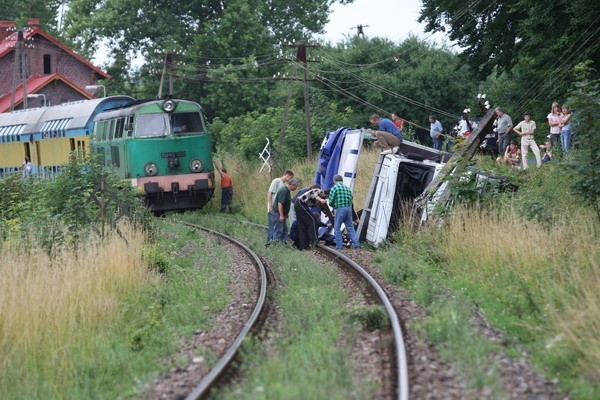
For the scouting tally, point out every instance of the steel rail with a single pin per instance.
(402, 391)
(401, 360)
(209, 380)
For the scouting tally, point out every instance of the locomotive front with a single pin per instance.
(163, 148)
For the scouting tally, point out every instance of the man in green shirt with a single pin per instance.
(272, 214)
(281, 206)
(340, 198)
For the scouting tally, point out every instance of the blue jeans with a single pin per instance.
(343, 215)
(277, 230)
(565, 138)
(437, 143)
(272, 218)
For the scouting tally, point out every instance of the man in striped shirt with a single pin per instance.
(340, 198)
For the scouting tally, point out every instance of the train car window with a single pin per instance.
(105, 126)
(114, 155)
(187, 123)
(97, 131)
(151, 125)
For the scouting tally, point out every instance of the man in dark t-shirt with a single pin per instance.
(281, 207)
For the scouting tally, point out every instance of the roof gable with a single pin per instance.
(33, 85)
(8, 44)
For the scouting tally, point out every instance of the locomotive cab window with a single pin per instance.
(119, 128)
(151, 125)
(187, 123)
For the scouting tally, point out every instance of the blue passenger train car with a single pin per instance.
(48, 135)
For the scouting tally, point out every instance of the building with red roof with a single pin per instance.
(32, 62)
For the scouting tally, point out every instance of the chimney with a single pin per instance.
(6, 28)
(33, 22)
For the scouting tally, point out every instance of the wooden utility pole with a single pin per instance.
(167, 61)
(301, 57)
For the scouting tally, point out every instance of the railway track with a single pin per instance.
(257, 312)
(401, 364)
(398, 360)
(430, 377)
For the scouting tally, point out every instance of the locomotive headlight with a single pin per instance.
(196, 165)
(151, 169)
(168, 105)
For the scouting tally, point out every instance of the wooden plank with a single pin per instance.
(457, 163)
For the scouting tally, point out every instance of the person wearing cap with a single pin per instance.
(389, 138)
(340, 198)
(526, 129)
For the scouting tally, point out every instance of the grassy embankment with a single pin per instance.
(93, 322)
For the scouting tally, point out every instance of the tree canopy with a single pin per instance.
(495, 36)
(20, 11)
(216, 46)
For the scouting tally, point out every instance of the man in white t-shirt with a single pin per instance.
(526, 129)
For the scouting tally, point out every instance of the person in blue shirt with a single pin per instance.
(388, 136)
(436, 131)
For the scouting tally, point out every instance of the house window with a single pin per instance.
(47, 64)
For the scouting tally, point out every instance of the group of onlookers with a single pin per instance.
(559, 120)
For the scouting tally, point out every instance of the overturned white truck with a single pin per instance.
(397, 181)
(410, 184)
(410, 181)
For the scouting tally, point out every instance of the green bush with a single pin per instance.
(45, 210)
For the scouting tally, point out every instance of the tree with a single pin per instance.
(586, 158)
(496, 35)
(20, 11)
(412, 79)
(223, 50)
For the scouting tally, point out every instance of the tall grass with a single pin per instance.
(542, 281)
(51, 309)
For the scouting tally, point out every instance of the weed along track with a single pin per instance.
(244, 314)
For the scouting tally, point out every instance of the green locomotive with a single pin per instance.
(162, 147)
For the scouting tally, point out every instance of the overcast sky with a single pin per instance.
(392, 19)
